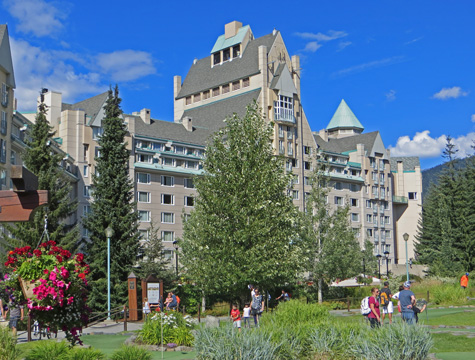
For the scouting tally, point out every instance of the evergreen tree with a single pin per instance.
(43, 160)
(244, 227)
(333, 248)
(112, 206)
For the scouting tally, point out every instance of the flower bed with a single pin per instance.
(58, 286)
(176, 330)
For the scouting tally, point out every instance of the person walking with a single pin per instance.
(407, 299)
(374, 315)
(16, 313)
(257, 306)
(464, 281)
(284, 296)
(146, 308)
(386, 303)
(246, 315)
(236, 317)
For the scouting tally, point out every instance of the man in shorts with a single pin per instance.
(16, 313)
(407, 299)
(386, 303)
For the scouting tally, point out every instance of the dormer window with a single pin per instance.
(226, 54)
(216, 58)
(236, 51)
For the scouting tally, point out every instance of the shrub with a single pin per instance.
(85, 354)
(226, 343)
(331, 339)
(47, 350)
(131, 353)
(8, 350)
(448, 294)
(176, 328)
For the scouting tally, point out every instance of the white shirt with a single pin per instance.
(246, 312)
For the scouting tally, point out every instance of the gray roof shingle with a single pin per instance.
(348, 143)
(409, 163)
(202, 76)
(91, 106)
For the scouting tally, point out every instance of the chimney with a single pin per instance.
(323, 134)
(145, 115)
(231, 29)
(187, 123)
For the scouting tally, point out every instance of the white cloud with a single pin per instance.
(450, 93)
(369, 65)
(38, 17)
(424, 146)
(318, 38)
(343, 44)
(391, 95)
(414, 40)
(126, 65)
(473, 118)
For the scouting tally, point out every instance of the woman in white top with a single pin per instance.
(146, 308)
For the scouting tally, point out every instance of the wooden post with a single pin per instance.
(199, 313)
(348, 302)
(29, 328)
(125, 318)
(133, 306)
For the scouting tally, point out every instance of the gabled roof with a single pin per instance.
(409, 163)
(202, 76)
(6, 63)
(92, 107)
(344, 118)
(206, 120)
(283, 82)
(223, 43)
(372, 142)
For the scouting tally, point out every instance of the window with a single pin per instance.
(85, 171)
(356, 231)
(295, 180)
(290, 133)
(188, 100)
(372, 162)
(338, 200)
(216, 58)
(383, 192)
(97, 132)
(3, 124)
(142, 158)
(306, 180)
(216, 91)
(205, 94)
(375, 190)
(143, 178)
(13, 157)
(167, 180)
(295, 163)
(189, 184)
(225, 89)
(295, 194)
(168, 161)
(369, 204)
(167, 255)
(290, 149)
(4, 95)
(307, 150)
(168, 218)
(97, 151)
(179, 149)
(281, 131)
(338, 186)
(387, 220)
(306, 165)
(355, 217)
(412, 196)
(196, 97)
(284, 109)
(226, 54)
(245, 82)
(143, 197)
(388, 234)
(189, 201)
(87, 191)
(354, 202)
(86, 209)
(281, 147)
(236, 85)
(236, 50)
(144, 235)
(375, 176)
(369, 218)
(85, 232)
(144, 216)
(369, 232)
(168, 199)
(354, 187)
(168, 236)
(381, 164)
(381, 177)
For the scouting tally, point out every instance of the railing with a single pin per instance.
(282, 114)
(400, 199)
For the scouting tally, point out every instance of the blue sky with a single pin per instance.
(404, 67)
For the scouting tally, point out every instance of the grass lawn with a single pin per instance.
(449, 317)
(448, 346)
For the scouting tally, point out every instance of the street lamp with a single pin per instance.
(386, 254)
(364, 264)
(406, 237)
(109, 234)
(175, 245)
(379, 256)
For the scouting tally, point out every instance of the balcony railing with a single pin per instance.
(282, 114)
(400, 199)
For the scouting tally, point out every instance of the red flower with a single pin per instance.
(59, 258)
(82, 276)
(37, 252)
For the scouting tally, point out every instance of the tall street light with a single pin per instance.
(406, 237)
(386, 254)
(364, 265)
(175, 245)
(379, 256)
(109, 234)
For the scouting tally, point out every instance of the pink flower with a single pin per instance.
(52, 276)
(70, 300)
(64, 272)
(60, 284)
(45, 271)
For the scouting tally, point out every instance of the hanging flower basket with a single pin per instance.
(27, 288)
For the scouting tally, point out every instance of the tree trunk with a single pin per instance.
(320, 297)
(203, 303)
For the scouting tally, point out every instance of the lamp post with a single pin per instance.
(406, 237)
(386, 254)
(109, 234)
(379, 256)
(175, 245)
(364, 265)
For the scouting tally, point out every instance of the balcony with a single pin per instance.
(400, 199)
(283, 114)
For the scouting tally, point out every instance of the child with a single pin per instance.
(146, 308)
(246, 314)
(236, 317)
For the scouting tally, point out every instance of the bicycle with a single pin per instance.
(41, 332)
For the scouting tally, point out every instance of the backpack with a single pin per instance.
(384, 298)
(365, 309)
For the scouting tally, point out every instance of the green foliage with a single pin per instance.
(333, 339)
(244, 227)
(131, 353)
(112, 206)
(78, 353)
(176, 329)
(190, 296)
(42, 157)
(48, 350)
(446, 294)
(226, 343)
(8, 349)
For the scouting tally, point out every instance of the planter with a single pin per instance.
(27, 288)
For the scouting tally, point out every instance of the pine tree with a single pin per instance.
(43, 160)
(332, 245)
(112, 206)
(244, 228)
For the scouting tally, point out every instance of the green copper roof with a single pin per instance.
(344, 118)
(223, 43)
